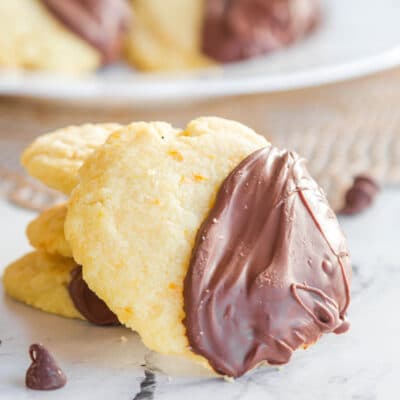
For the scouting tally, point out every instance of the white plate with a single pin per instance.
(355, 38)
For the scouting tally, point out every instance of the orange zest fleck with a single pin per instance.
(176, 155)
(199, 178)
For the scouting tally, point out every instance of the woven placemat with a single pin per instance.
(343, 129)
(25, 193)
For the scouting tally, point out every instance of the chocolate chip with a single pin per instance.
(43, 373)
(360, 196)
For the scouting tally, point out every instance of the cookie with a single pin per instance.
(76, 36)
(211, 243)
(46, 232)
(31, 38)
(156, 44)
(54, 284)
(180, 34)
(56, 157)
(41, 280)
(133, 218)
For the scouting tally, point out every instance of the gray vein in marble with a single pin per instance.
(147, 386)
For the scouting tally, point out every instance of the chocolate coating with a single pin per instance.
(43, 373)
(239, 29)
(87, 303)
(360, 195)
(270, 271)
(102, 23)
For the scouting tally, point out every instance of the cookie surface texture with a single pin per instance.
(55, 158)
(40, 280)
(133, 218)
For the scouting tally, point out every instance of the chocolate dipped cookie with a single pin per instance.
(179, 34)
(211, 243)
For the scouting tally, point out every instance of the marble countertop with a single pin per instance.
(107, 363)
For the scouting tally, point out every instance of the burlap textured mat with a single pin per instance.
(342, 129)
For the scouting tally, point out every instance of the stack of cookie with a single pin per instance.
(49, 278)
(209, 242)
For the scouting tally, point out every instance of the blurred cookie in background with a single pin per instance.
(178, 34)
(72, 36)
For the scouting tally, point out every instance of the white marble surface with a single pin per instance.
(361, 365)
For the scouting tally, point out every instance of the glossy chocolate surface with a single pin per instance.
(88, 303)
(270, 270)
(238, 29)
(101, 23)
